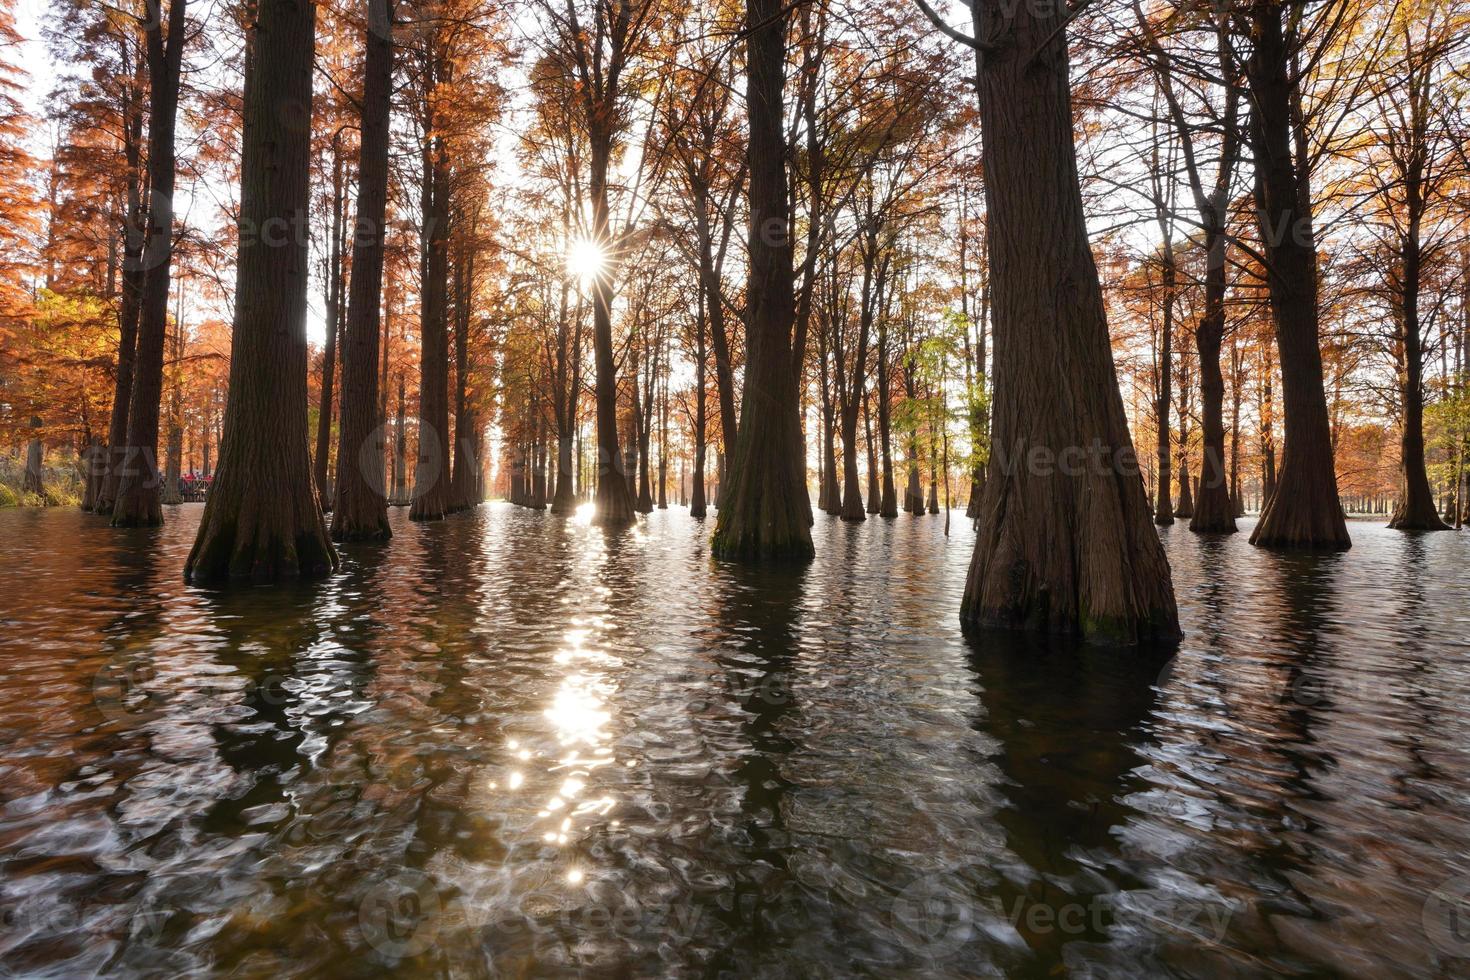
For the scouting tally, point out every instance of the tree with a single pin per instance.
(138, 500)
(1304, 511)
(262, 521)
(360, 506)
(764, 511)
(1062, 546)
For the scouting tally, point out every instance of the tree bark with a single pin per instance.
(431, 469)
(1304, 511)
(614, 502)
(262, 521)
(138, 500)
(360, 507)
(129, 308)
(1070, 549)
(764, 511)
(333, 311)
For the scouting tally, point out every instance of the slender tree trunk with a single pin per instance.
(697, 506)
(35, 454)
(889, 504)
(875, 496)
(360, 507)
(1065, 548)
(431, 476)
(1416, 511)
(765, 512)
(852, 494)
(263, 521)
(614, 502)
(129, 309)
(1186, 485)
(1164, 511)
(138, 501)
(329, 354)
(1304, 511)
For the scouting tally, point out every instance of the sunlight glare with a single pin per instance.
(586, 260)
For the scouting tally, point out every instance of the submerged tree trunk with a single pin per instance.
(1304, 511)
(764, 510)
(1065, 542)
(138, 501)
(1186, 487)
(875, 496)
(360, 507)
(262, 521)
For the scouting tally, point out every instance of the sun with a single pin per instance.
(586, 259)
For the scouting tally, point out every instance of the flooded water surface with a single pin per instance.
(512, 744)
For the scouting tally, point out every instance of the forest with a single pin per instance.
(783, 488)
(624, 253)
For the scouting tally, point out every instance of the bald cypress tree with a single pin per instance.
(764, 511)
(1066, 542)
(263, 520)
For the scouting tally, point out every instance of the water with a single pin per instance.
(510, 744)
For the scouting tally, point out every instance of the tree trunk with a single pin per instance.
(852, 495)
(262, 521)
(1186, 488)
(697, 505)
(35, 454)
(138, 502)
(1416, 511)
(329, 354)
(765, 512)
(129, 309)
(1070, 550)
(431, 473)
(1164, 511)
(875, 496)
(360, 508)
(614, 502)
(1304, 511)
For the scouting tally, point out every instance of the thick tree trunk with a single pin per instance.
(1214, 510)
(138, 500)
(262, 521)
(765, 512)
(1304, 511)
(360, 507)
(1065, 542)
